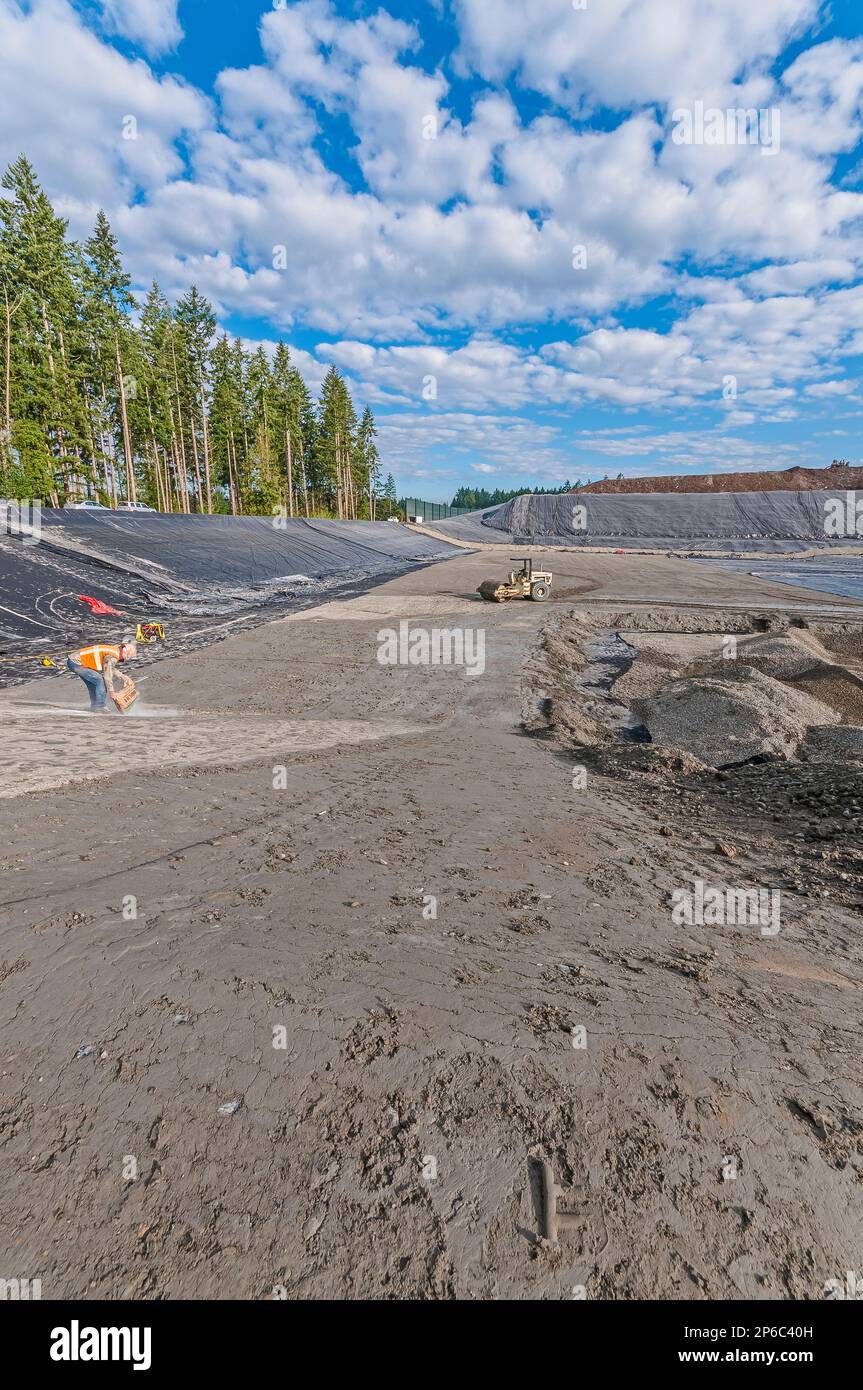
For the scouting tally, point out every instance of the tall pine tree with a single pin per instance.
(98, 400)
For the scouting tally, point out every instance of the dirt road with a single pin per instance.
(292, 978)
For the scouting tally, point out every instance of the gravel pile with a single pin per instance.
(781, 655)
(840, 745)
(801, 661)
(723, 721)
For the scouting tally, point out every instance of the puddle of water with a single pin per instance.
(609, 658)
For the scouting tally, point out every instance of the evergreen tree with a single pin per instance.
(197, 324)
(226, 418)
(289, 399)
(93, 403)
(308, 440)
(370, 459)
(262, 484)
(107, 303)
(39, 298)
(389, 503)
(152, 413)
(475, 498)
(336, 445)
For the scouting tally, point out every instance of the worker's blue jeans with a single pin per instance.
(94, 681)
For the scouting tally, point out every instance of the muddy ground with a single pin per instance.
(245, 1055)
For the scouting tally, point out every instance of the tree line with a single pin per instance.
(476, 497)
(105, 398)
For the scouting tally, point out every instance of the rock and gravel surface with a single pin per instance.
(729, 719)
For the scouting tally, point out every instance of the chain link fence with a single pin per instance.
(417, 510)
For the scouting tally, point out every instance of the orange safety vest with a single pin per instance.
(94, 658)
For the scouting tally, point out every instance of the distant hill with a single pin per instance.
(839, 475)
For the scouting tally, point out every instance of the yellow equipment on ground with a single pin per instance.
(522, 583)
(146, 633)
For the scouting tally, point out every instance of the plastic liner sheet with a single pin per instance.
(192, 568)
(738, 521)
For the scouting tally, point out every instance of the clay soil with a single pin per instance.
(838, 476)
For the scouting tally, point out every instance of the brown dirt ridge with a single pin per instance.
(796, 479)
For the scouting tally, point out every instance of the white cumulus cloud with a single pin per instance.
(154, 24)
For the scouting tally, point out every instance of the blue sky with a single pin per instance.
(503, 221)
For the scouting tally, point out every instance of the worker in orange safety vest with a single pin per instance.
(97, 666)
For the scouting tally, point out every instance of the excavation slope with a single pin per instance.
(729, 521)
(188, 569)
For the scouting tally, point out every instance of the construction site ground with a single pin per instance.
(293, 975)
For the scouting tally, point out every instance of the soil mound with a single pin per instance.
(835, 745)
(838, 475)
(727, 721)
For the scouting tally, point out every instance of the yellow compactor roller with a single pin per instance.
(522, 583)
